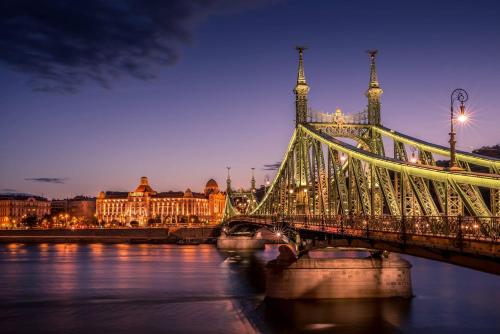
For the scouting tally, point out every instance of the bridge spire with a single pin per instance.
(252, 182)
(228, 181)
(301, 89)
(374, 91)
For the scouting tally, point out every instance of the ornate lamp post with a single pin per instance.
(461, 96)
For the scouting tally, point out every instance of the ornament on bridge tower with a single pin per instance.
(301, 89)
(374, 91)
(338, 117)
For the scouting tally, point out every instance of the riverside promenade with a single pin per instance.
(111, 235)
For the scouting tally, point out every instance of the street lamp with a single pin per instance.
(461, 96)
(413, 158)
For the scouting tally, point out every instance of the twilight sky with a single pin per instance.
(95, 94)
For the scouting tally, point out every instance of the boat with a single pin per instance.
(185, 242)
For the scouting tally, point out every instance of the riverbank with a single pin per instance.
(169, 235)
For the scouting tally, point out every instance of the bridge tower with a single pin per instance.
(298, 187)
(252, 204)
(301, 89)
(374, 92)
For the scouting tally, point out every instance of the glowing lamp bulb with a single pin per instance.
(462, 118)
(343, 157)
(278, 234)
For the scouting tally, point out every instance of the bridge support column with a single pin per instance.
(495, 202)
(240, 242)
(327, 278)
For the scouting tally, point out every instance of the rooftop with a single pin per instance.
(21, 197)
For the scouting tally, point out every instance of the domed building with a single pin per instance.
(144, 187)
(216, 199)
(145, 206)
(188, 193)
(211, 187)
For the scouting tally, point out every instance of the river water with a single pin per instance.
(97, 288)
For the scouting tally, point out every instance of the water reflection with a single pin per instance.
(249, 267)
(337, 316)
(96, 249)
(70, 288)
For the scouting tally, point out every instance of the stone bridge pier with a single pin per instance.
(312, 267)
(375, 275)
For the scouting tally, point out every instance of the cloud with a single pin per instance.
(63, 43)
(8, 190)
(55, 180)
(273, 166)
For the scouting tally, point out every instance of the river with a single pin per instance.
(123, 288)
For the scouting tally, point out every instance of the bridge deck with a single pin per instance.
(466, 241)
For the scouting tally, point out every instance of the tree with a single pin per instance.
(489, 151)
(30, 221)
(93, 222)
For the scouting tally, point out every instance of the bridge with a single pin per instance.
(345, 179)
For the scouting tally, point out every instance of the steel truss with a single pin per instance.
(321, 175)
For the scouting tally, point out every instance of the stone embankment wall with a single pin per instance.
(132, 235)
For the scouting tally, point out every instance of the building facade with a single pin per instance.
(80, 206)
(16, 207)
(145, 206)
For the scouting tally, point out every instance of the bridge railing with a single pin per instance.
(460, 227)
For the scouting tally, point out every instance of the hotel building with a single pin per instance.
(145, 205)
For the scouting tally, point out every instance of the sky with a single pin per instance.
(95, 94)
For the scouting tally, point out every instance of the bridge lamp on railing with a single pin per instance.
(462, 116)
(461, 96)
(343, 157)
(413, 158)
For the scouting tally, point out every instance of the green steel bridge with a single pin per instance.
(339, 184)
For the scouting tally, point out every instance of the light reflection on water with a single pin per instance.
(123, 288)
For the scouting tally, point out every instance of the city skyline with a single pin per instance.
(181, 129)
